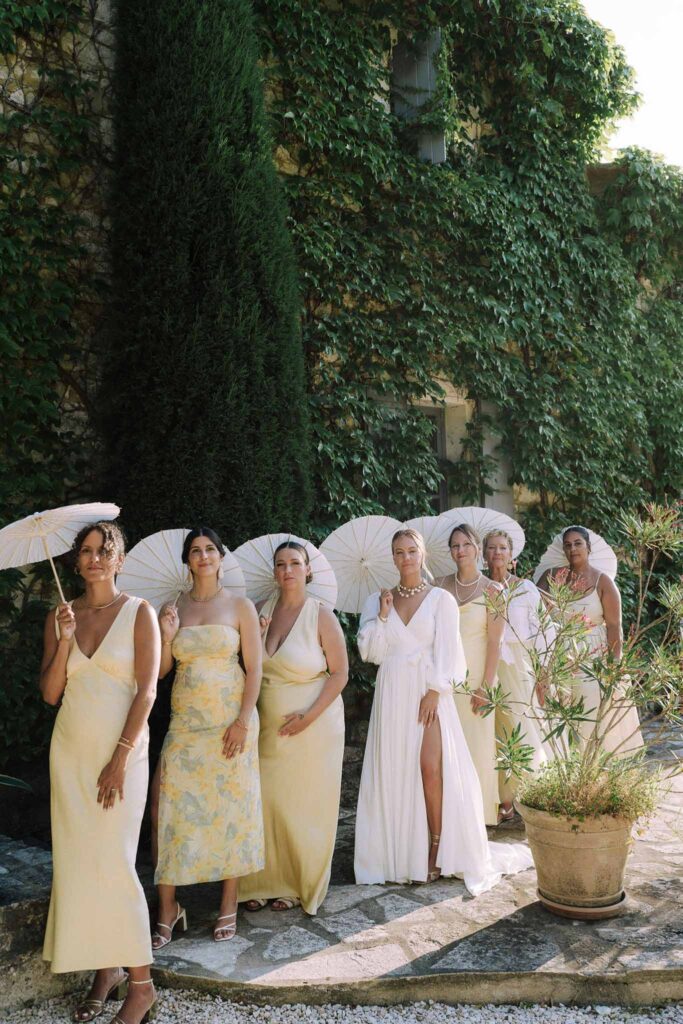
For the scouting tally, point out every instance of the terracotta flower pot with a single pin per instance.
(580, 864)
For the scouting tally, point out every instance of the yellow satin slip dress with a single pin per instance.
(479, 732)
(98, 914)
(300, 775)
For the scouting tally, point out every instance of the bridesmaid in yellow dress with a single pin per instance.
(599, 600)
(210, 821)
(101, 660)
(301, 747)
(523, 632)
(482, 635)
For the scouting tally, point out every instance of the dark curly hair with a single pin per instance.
(113, 541)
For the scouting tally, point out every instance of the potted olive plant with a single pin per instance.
(580, 809)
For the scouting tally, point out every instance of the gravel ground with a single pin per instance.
(193, 1008)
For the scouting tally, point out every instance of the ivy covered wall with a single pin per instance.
(499, 270)
(55, 60)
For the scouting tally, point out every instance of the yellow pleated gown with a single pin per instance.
(300, 775)
(480, 732)
(98, 915)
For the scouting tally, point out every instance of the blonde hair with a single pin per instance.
(497, 533)
(415, 535)
(469, 532)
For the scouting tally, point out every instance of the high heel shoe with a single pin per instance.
(435, 872)
(148, 1015)
(505, 814)
(94, 1007)
(229, 928)
(162, 940)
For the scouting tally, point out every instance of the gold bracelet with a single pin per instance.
(123, 742)
(166, 643)
(381, 619)
(238, 721)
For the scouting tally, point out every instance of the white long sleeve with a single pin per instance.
(372, 635)
(524, 624)
(449, 665)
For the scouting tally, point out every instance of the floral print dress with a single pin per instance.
(210, 817)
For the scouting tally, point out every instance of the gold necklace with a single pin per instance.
(205, 600)
(100, 607)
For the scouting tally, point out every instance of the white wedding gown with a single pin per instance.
(392, 838)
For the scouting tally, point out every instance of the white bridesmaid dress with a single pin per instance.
(392, 837)
(524, 632)
(624, 735)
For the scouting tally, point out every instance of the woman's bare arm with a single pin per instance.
(250, 638)
(56, 653)
(609, 595)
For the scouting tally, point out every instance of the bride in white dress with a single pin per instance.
(420, 810)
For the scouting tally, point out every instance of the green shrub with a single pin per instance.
(48, 281)
(206, 412)
(621, 788)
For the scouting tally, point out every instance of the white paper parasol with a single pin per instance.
(48, 534)
(360, 554)
(153, 569)
(484, 520)
(256, 559)
(601, 556)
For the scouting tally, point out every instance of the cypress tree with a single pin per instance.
(204, 406)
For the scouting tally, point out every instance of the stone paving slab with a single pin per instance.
(378, 943)
(368, 942)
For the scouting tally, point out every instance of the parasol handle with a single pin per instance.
(54, 570)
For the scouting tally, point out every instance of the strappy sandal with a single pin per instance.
(149, 1014)
(162, 940)
(94, 1007)
(505, 814)
(256, 904)
(229, 928)
(288, 903)
(435, 872)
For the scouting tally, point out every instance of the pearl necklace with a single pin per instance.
(205, 600)
(466, 586)
(100, 607)
(411, 591)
